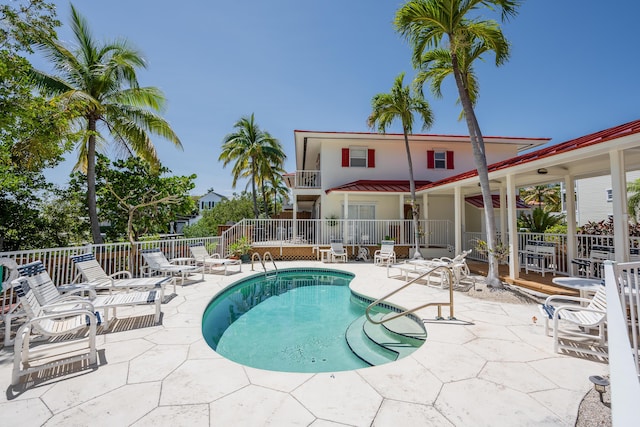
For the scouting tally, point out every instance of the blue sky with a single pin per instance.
(315, 65)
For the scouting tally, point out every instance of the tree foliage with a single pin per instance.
(99, 82)
(400, 104)
(539, 221)
(231, 210)
(136, 199)
(545, 196)
(255, 154)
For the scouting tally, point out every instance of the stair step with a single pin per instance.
(364, 348)
(404, 326)
(398, 342)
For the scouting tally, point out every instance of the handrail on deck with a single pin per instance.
(262, 260)
(406, 285)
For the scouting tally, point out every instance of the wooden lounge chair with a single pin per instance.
(158, 263)
(205, 260)
(385, 255)
(51, 321)
(90, 271)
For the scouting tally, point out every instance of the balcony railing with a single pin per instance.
(307, 179)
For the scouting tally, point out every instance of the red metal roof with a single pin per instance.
(389, 186)
(564, 147)
(478, 202)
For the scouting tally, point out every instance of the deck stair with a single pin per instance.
(384, 343)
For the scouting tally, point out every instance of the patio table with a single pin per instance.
(582, 284)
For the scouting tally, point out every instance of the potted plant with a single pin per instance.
(240, 249)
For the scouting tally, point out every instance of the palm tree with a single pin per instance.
(250, 147)
(634, 199)
(547, 196)
(279, 189)
(400, 104)
(446, 24)
(99, 82)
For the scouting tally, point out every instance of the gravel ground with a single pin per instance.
(592, 412)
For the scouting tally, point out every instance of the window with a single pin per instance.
(439, 159)
(358, 157)
(609, 195)
(362, 211)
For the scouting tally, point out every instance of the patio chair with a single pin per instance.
(47, 293)
(575, 320)
(10, 308)
(158, 263)
(92, 272)
(57, 320)
(338, 252)
(385, 255)
(204, 259)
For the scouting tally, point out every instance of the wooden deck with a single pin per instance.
(531, 280)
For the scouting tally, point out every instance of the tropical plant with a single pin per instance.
(633, 203)
(401, 105)
(277, 190)
(99, 81)
(240, 247)
(254, 151)
(544, 196)
(447, 24)
(539, 221)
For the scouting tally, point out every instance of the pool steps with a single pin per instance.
(379, 344)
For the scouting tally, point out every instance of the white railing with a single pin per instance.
(623, 311)
(316, 232)
(307, 179)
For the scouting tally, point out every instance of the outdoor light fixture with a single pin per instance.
(600, 384)
(542, 171)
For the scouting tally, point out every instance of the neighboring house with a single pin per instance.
(208, 201)
(594, 197)
(354, 175)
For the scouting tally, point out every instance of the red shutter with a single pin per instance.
(431, 159)
(345, 157)
(449, 159)
(371, 158)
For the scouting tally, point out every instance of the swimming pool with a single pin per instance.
(295, 322)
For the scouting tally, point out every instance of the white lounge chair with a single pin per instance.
(10, 308)
(47, 293)
(205, 260)
(338, 252)
(52, 320)
(158, 263)
(575, 320)
(385, 255)
(90, 271)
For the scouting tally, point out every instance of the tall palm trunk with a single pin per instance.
(91, 182)
(477, 143)
(253, 189)
(412, 188)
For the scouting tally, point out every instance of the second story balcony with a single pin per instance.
(307, 179)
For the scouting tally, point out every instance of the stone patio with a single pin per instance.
(493, 366)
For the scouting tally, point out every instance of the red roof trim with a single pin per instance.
(381, 186)
(478, 202)
(565, 147)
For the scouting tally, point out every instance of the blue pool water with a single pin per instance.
(295, 323)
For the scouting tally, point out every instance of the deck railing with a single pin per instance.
(623, 311)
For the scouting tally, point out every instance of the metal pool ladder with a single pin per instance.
(404, 313)
(267, 274)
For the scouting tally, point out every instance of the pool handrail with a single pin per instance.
(262, 260)
(411, 282)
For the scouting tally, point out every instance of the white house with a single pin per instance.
(356, 175)
(208, 201)
(594, 197)
(353, 175)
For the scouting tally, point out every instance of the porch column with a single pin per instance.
(512, 224)
(570, 205)
(620, 215)
(425, 215)
(345, 215)
(401, 216)
(457, 222)
(503, 212)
